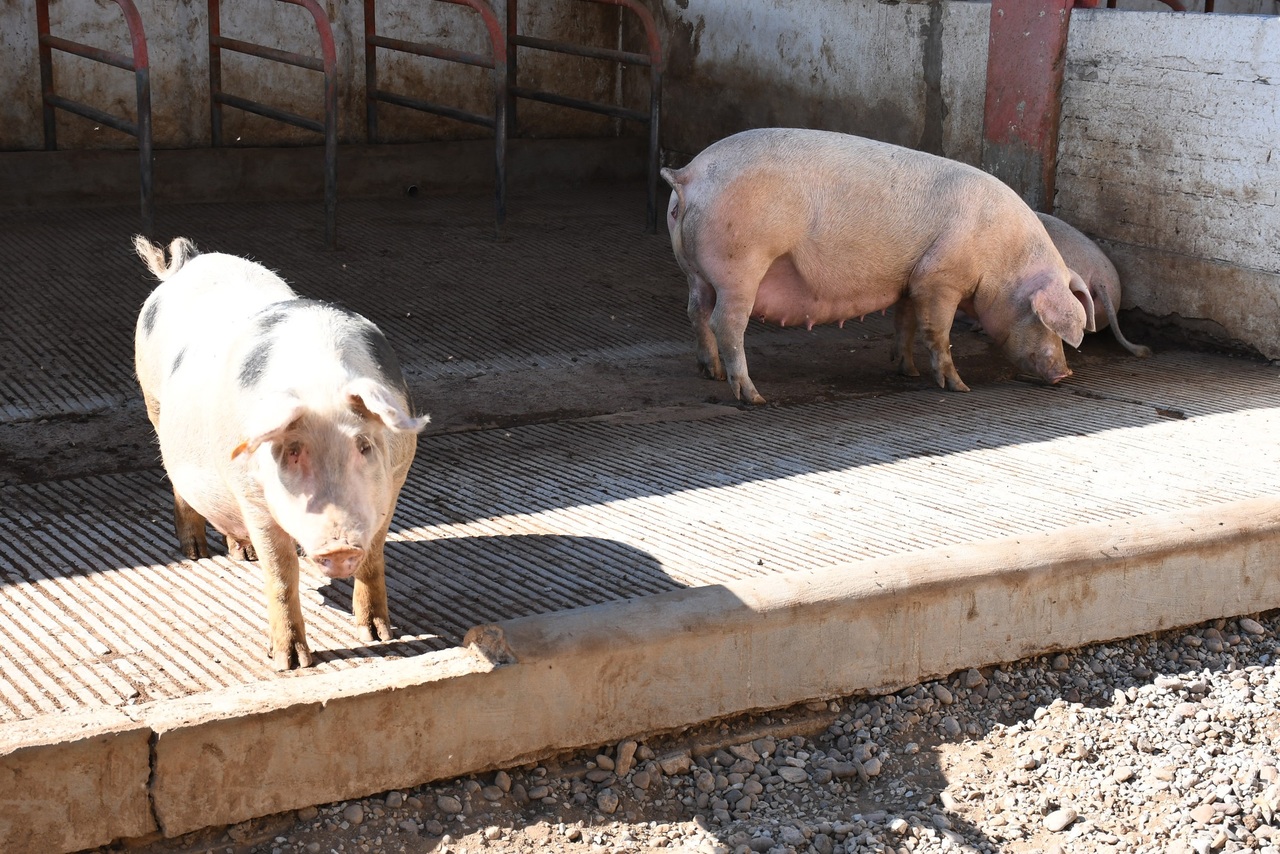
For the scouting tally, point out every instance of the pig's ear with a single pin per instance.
(378, 401)
(1082, 293)
(271, 418)
(1061, 312)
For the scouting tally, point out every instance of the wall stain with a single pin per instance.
(935, 107)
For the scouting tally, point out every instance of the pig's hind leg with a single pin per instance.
(729, 324)
(190, 527)
(702, 300)
(902, 351)
(187, 523)
(1139, 350)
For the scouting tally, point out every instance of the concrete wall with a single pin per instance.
(177, 36)
(1169, 152)
(911, 73)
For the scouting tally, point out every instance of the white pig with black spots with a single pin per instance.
(283, 422)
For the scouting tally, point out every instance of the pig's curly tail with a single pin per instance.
(180, 251)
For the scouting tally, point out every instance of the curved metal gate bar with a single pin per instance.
(327, 65)
(651, 59)
(497, 62)
(138, 64)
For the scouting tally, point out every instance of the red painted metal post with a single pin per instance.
(215, 74)
(46, 75)
(1026, 53)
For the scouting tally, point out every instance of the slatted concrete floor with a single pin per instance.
(499, 523)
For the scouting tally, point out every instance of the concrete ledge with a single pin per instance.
(527, 688)
(73, 782)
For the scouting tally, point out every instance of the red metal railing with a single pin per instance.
(327, 65)
(496, 61)
(651, 59)
(138, 64)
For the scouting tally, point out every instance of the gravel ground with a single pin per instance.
(1161, 743)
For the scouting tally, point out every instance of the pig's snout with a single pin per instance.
(339, 561)
(1048, 376)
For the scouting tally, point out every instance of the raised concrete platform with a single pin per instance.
(592, 544)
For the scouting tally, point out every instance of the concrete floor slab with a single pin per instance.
(643, 553)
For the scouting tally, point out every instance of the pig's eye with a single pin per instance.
(293, 450)
(363, 445)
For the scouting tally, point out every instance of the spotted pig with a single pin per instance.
(283, 422)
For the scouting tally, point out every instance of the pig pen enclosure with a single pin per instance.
(594, 540)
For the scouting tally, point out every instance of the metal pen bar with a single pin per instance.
(579, 104)
(651, 60)
(88, 112)
(108, 57)
(433, 51)
(604, 53)
(269, 112)
(437, 109)
(261, 51)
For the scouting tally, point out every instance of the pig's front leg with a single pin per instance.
(369, 596)
(935, 318)
(278, 557)
(190, 526)
(902, 351)
(702, 299)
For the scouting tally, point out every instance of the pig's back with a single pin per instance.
(1080, 253)
(187, 322)
(311, 348)
(857, 200)
(843, 221)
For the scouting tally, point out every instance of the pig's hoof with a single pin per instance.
(956, 384)
(376, 630)
(240, 550)
(712, 372)
(292, 657)
(908, 368)
(194, 548)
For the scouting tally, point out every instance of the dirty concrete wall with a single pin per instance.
(911, 73)
(177, 36)
(1169, 153)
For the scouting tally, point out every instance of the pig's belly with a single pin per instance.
(206, 492)
(788, 298)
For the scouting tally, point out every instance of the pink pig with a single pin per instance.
(808, 227)
(1088, 261)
